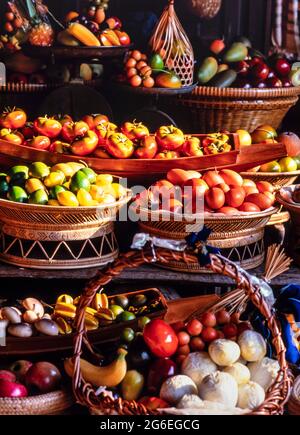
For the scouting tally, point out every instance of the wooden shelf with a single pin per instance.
(141, 274)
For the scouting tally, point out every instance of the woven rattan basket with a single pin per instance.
(276, 396)
(47, 237)
(57, 402)
(294, 402)
(278, 180)
(239, 237)
(213, 109)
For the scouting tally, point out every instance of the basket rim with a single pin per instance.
(211, 91)
(271, 174)
(64, 209)
(289, 205)
(32, 399)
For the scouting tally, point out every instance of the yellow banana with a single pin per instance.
(108, 376)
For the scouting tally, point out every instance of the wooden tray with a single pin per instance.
(45, 344)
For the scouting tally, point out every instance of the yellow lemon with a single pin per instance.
(54, 179)
(67, 199)
(84, 198)
(53, 202)
(104, 179)
(64, 168)
(96, 192)
(75, 166)
(33, 184)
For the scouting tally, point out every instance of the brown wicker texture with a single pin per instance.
(53, 403)
(215, 109)
(294, 402)
(170, 40)
(278, 180)
(84, 392)
(206, 9)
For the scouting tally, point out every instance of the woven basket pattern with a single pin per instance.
(294, 402)
(215, 109)
(170, 40)
(278, 181)
(205, 8)
(47, 404)
(276, 396)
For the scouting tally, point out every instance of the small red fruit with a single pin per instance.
(197, 344)
(194, 327)
(235, 318)
(230, 330)
(183, 338)
(243, 326)
(178, 326)
(222, 317)
(209, 334)
(217, 46)
(208, 319)
(183, 350)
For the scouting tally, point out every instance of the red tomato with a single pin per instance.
(13, 119)
(103, 130)
(134, 130)
(222, 317)
(147, 148)
(28, 130)
(167, 155)
(72, 130)
(14, 137)
(208, 319)
(183, 338)
(93, 120)
(119, 146)
(47, 127)
(230, 330)
(209, 334)
(39, 142)
(178, 326)
(85, 145)
(192, 147)
(160, 338)
(154, 403)
(194, 327)
(169, 137)
(197, 344)
(183, 350)
(159, 371)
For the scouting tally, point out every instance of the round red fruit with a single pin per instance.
(209, 334)
(230, 330)
(222, 317)
(183, 338)
(178, 326)
(208, 319)
(197, 344)
(183, 350)
(194, 327)
(160, 338)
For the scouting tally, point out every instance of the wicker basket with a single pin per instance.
(276, 396)
(239, 237)
(57, 402)
(206, 9)
(46, 237)
(294, 402)
(278, 180)
(216, 109)
(170, 40)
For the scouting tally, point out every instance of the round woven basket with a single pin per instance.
(276, 396)
(48, 237)
(53, 403)
(239, 237)
(278, 180)
(213, 109)
(294, 402)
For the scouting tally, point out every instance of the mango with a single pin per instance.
(84, 198)
(67, 199)
(236, 53)
(64, 168)
(33, 184)
(54, 179)
(38, 170)
(208, 69)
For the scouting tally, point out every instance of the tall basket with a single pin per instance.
(171, 42)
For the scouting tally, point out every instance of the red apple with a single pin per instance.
(255, 61)
(260, 71)
(43, 377)
(282, 67)
(242, 68)
(20, 368)
(6, 375)
(275, 82)
(12, 389)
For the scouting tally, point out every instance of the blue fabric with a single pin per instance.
(198, 242)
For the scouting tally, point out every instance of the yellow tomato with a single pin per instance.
(245, 138)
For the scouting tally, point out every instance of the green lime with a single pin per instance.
(127, 335)
(122, 300)
(156, 62)
(142, 322)
(297, 160)
(38, 197)
(116, 309)
(17, 170)
(17, 194)
(125, 316)
(38, 170)
(79, 181)
(55, 190)
(91, 175)
(4, 187)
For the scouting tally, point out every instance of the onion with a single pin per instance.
(264, 372)
(239, 371)
(224, 352)
(253, 346)
(251, 395)
(197, 365)
(219, 387)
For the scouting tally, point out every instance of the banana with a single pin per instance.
(108, 376)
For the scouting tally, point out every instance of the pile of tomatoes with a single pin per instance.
(223, 191)
(95, 135)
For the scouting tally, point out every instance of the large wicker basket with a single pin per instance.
(57, 402)
(276, 396)
(278, 180)
(213, 109)
(239, 237)
(294, 402)
(47, 237)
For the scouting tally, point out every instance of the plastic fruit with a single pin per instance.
(235, 197)
(132, 385)
(12, 389)
(244, 137)
(231, 178)
(215, 198)
(43, 377)
(270, 167)
(160, 338)
(261, 200)
(291, 142)
(109, 376)
(288, 164)
(208, 319)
